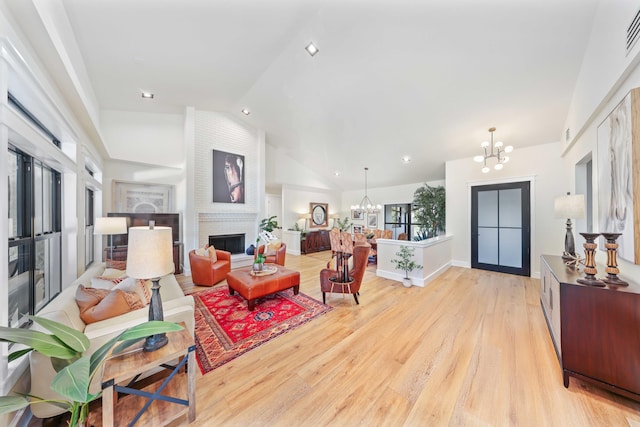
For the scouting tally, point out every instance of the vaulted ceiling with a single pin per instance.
(423, 78)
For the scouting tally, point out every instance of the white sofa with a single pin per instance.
(176, 308)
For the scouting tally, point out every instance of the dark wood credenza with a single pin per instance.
(595, 330)
(120, 254)
(315, 241)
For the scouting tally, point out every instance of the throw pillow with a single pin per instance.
(211, 251)
(272, 248)
(101, 304)
(137, 286)
(118, 265)
(201, 252)
(103, 282)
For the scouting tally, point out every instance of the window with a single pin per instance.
(34, 250)
(89, 247)
(399, 219)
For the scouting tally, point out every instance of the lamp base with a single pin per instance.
(612, 279)
(155, 342)
(591, 281)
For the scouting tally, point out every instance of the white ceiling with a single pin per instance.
(392, 78)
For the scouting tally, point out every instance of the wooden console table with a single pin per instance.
(155, 404)
(315, 241)
(594, 329)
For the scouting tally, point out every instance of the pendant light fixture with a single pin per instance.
(489, 153)
(366, 204)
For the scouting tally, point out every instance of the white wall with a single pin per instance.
(296, 200)
(542, 164)
(607, 75)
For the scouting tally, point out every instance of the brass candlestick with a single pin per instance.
(590, 260)
(612, 262)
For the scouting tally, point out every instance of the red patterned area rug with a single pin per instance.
(226, 329)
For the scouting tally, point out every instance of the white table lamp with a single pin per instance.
(110, 225)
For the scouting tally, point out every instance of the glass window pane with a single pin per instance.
(19, 285)
(47, 204)
(13, 193)
(488, 208)
(511, 247)
(488, 245)
(510, 208)
(37, 193)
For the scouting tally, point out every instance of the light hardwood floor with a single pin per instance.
(471, 348)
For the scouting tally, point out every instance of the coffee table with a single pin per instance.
(253, 287)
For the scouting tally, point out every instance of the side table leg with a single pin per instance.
(191, 385)
(107, 407)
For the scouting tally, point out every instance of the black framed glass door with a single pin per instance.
(500, 228)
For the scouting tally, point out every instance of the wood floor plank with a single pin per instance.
(471, 348)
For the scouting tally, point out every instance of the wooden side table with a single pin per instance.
(154, 404)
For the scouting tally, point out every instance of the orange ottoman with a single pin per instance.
(254, 287)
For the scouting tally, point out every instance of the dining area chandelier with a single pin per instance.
(499, 154)
(366, 204)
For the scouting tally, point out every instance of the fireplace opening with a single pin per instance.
(233, 243)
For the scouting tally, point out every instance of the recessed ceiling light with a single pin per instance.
(147, 95)
(406, 159)
(312, 49)
(336, 173)
(245, 111)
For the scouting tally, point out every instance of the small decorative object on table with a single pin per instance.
(258, 264)
(590, 261)
(612, 262)
(266, 271)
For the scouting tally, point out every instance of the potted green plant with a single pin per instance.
(75, 371)
(406, 263)
(258, 263)
(429, 209)
(343, 225)
(269, 224)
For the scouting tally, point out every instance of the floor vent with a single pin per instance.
(633, 30)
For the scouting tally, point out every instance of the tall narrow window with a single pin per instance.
(34, 251)
(89, 246)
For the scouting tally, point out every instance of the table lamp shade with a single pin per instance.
(150, 252)
(569, 206)
(110, 225)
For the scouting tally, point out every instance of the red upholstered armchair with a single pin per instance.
(278, 258)
(360, 256)
(206, 272)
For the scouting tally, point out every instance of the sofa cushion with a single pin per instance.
(102, 282)
(113, 273)
(142, 288)
(101, 304)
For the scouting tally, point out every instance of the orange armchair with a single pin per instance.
(278, 258)
(205, 272)
(360, 257)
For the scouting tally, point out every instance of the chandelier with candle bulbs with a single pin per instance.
(493, 151)
(366, 204)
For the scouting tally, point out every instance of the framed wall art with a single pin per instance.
(319, 214)
(619, 177)
(228, 177)
(357, 214)
(372, 220)
(357, 229)
(136, 197)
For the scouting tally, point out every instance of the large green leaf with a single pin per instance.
(60, 364)
(149, 328)
(12, 403)
(18, 354)
(69, 336)
(98, 356)
(39, 341)
(73, 381)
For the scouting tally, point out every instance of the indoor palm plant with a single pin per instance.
(406, 263)
(75, 371)
(429, 209)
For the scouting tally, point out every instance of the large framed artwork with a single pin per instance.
(136, 197)
(357, 214)
(228, 177)
(319, 214)
(619, 176)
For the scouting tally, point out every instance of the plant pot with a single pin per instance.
(257, 266)
(406, 282)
